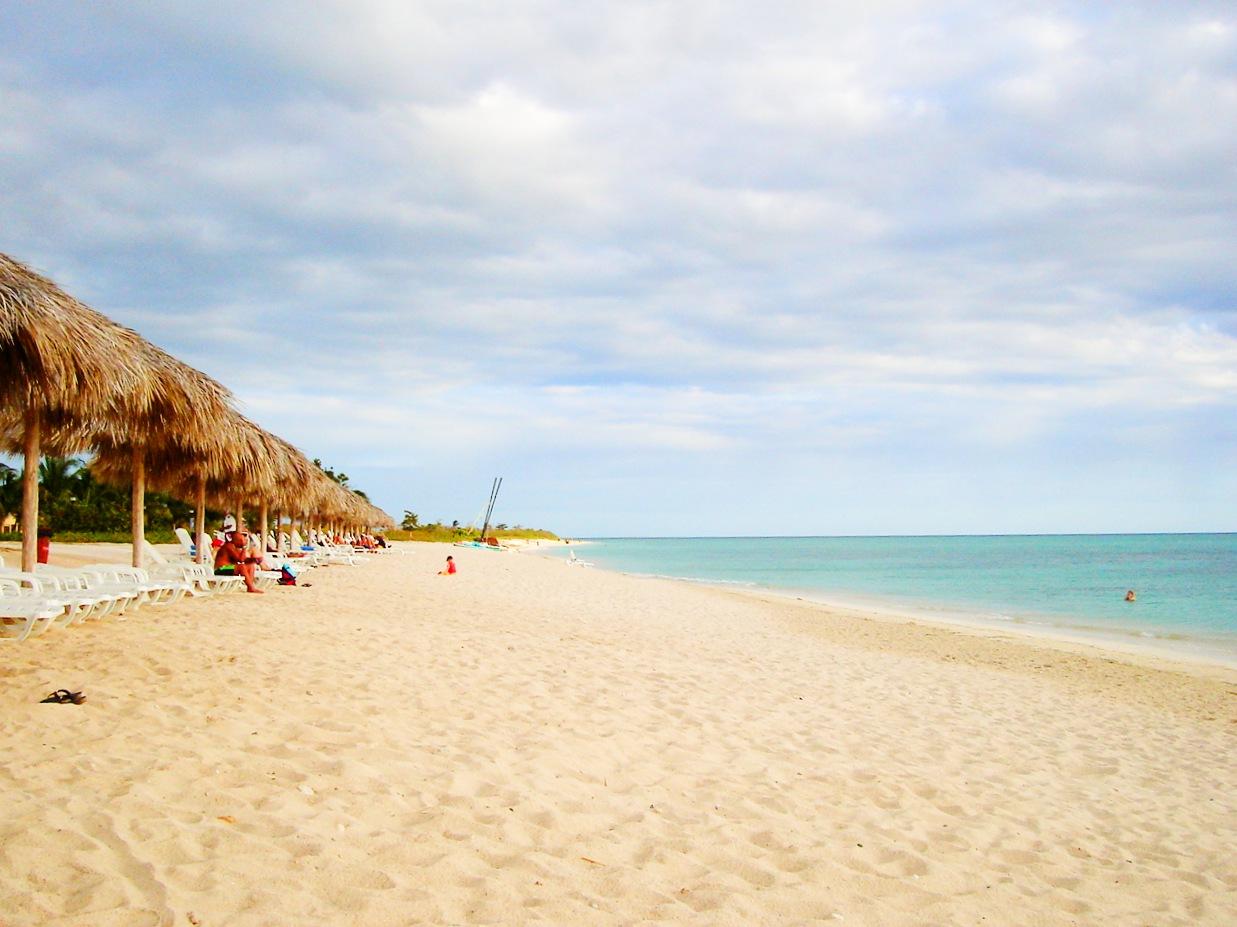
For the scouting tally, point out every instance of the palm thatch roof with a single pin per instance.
(377, 518)
(343, 504)
(295, 487)
(62, 359)
(241, 463)
(188, 411)
(90, 383)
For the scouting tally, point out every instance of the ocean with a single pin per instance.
(1071, 585)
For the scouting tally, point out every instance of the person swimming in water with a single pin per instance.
(1130, 597)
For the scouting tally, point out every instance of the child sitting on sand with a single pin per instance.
(450, 570)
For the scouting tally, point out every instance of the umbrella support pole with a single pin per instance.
(200, 542)
(30, 492)
(137, 504)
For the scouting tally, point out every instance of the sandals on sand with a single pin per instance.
(64, 696)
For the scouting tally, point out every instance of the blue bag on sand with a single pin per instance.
(288, 577)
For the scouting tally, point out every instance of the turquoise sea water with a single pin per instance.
(1186, 584)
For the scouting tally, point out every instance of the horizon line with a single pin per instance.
(760, 537)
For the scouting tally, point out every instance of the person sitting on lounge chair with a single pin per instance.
(257, 554)
(233, 559)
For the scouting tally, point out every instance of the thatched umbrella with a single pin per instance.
(189, 418)
(305, 490)
(260, 481)
(63, 368)
(294, 486)
(379, 518)
(354, 511)
(275, 474)
(322, 497)
(238, 456)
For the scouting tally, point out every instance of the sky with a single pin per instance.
(777, 268)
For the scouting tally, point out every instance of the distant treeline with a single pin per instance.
(439, 532)
(411, 529)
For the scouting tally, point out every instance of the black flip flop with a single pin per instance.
(64, 697)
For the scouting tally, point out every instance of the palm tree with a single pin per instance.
(60, 476)
(340, 478)
(10, 491)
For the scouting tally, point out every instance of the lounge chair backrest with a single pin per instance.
(152, 554)
(28, 581)
(185, 541)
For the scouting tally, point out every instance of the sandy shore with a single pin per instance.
(528, 742)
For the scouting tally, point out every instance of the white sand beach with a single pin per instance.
(527, 743)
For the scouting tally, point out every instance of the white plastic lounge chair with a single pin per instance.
(114, 577)
(74, 588)
(325, 553)
(186, 542)
(78, 603)
(200, 577)
(265, 579)
(23, 616)
(190, 548)
(276, 562)
(87, 581)
(91, 592)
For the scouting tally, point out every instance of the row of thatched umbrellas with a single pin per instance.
(73, 380)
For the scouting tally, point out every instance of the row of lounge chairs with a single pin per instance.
(32, 603)
(56, 597)
(298, 552)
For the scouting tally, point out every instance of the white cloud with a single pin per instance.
(644, 231)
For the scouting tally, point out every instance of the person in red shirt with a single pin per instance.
(450, 570)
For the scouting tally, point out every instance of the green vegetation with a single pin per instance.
(164, 536)
(411, 529)
(450, 533)
(10, 491)
(341, 478)
(75, 506)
